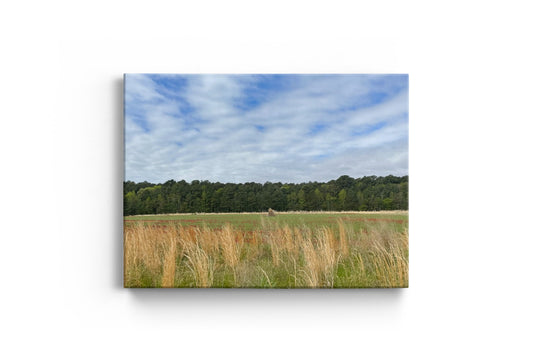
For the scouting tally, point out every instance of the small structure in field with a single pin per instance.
(271, 212)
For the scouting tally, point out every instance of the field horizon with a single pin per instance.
(277, 212)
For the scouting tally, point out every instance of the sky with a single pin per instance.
(258, 128)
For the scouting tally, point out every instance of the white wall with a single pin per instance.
(61, 147)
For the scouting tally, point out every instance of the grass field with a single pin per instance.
(348, 249)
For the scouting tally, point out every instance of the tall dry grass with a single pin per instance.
(200, 263)
(274, 256)
(169, 264)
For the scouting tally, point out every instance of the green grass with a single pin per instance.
(254, 221)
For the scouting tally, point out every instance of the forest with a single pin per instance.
(369, 193)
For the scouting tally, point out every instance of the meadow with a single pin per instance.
(290, 250)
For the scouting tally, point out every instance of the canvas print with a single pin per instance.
(266, 181)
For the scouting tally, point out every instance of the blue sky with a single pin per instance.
(288, 128)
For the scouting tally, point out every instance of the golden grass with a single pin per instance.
(275, 256)
(169, 265)
(200, 263)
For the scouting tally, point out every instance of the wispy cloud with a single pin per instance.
(238, 128)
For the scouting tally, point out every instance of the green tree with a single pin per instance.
(345, 193)
(387, 203)
(342, 199)
(302, 205)
(131, 203)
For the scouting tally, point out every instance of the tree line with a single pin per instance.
(369, 193)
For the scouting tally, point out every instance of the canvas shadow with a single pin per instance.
(117, 173)
(237, 297)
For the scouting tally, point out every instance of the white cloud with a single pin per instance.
(307, 129)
